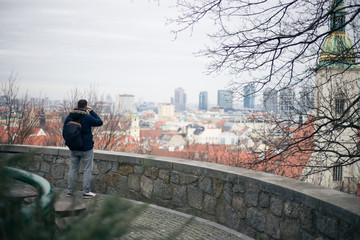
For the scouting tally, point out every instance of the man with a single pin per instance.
(86, 116)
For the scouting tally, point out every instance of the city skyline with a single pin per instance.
(125, 48)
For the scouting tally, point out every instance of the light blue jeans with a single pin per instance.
(86, 157)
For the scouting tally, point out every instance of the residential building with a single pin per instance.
(208, 136)
(229, 138)
(225, 99)
(203, 101)
(166, 112)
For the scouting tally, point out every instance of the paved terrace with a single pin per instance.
(257, 204)
(155, 222)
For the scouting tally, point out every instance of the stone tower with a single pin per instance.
(336, 104)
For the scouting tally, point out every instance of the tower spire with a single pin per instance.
(337, 20)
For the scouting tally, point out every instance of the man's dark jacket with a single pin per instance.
(87, 120)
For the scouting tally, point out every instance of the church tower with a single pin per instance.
(336, 104)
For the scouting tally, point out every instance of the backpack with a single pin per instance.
(72, 135)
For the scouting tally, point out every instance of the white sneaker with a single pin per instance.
(89, 195)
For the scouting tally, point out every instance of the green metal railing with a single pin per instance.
(41, 209)
(45, 191)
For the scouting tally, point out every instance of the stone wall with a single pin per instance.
(260, 205)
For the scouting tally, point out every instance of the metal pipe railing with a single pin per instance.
(44, 202)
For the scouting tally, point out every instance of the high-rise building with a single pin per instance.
(180, 100)
(286, 102)
(124, 103)
(249, 96)
(203, 101)
(225, 99)
(306, 99)
(270, 100)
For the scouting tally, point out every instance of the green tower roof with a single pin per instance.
(337, 50)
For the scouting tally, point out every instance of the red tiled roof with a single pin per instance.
(152, 134)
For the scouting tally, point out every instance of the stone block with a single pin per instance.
(17, 148)
(238, 188)
(179, 196)
(220, 211)
(187, 178)
(44, 150)
(264, 200)
(127, 158)
(272, 226)
(206, 185)
(195, 197)
(307, 236)
(164, 175)
(134, 182)
(276, 206)
(126, 169)
(112, 178)
(290, 229)
(104, 156)
(63, 160)
(138, 169)
(251, 197)
(152, 172)
(115, 167)
(45, 167)
(218, 187)
(209, 204)
(95, 170)
(239, 205)
(49, 158)
(146, 186)
(158, 162)
(306, 217)
(327, 225)
(228, 194)
(175, 177)
(34, 166)
(103, 166)
(256, 219)
(291, 209)
(121, 184)
(162, 190)
(232, 219)
(38, 157)
(247, 230)
(280, 191)
(348, 231)
(188, 168)
(57, 171)
(99, 184)
(64, 152)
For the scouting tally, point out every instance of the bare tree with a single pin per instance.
(289, 45)
(20, 116)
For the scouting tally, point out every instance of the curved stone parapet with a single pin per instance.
(258, 204)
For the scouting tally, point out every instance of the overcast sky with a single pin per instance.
(121, 46)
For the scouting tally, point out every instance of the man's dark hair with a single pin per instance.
(82, 103)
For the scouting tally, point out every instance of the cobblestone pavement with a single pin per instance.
(156, 222)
